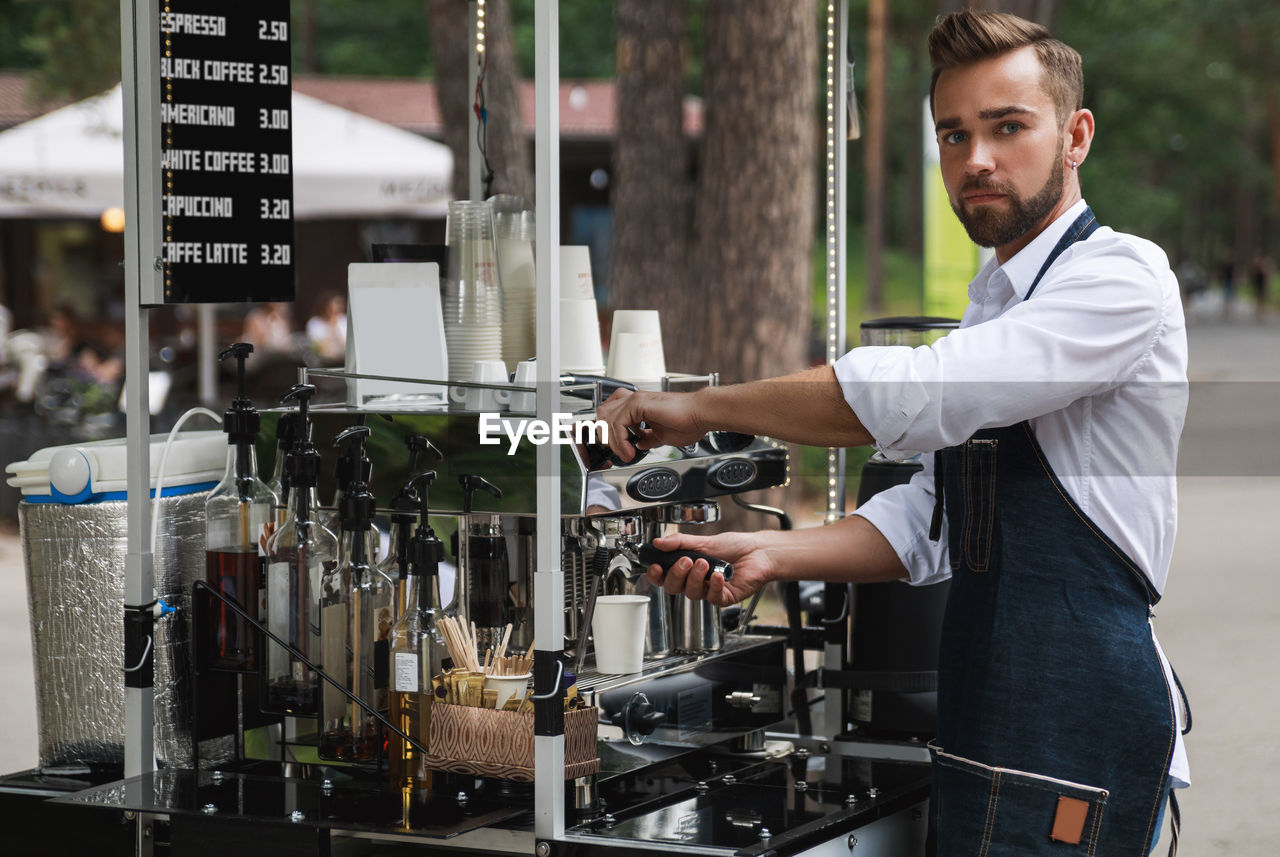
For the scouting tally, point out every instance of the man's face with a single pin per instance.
(1001, 147)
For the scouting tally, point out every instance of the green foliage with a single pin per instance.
(75, 43)
(384, 38)
(1179, 110)
(17, 21)
(587, 42)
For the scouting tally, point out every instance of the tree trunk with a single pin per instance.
(746, 312)
(504, 140)
(650, 189)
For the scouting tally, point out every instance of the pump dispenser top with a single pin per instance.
(426, 551)
(358, 505)
(470, 482)
(304, 466)
(241, 420)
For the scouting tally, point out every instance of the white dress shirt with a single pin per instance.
(1096, 360)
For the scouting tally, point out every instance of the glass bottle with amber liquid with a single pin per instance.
(237, 515)
(300, 553)
(417, 651)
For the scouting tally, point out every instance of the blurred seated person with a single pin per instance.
(269, 327)
(95, 365)
(327, 329)
(63, 338)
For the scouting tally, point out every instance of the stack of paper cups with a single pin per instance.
(580, 349)
(635, 347)
(515, 231)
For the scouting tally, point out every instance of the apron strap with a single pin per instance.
(1082, 228)
(1175, 823)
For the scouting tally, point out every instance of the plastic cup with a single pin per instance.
(507, 686)
(636, 357)
(580, 349)
(618, 627)
(575, 274)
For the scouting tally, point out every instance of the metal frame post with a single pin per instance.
(140, 53)
(549, 801)
(837, 80)
(475, 48)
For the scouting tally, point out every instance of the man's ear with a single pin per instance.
(1079, 136)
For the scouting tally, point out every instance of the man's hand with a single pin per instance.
(752, 567)
(669, 418)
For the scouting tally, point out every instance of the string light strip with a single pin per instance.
(835, 457)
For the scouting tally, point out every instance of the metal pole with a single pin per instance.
(207, 354)
(837, 89)
(140, 55)
(475, 56)
(548, 596)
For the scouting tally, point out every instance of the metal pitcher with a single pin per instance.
(697, 626)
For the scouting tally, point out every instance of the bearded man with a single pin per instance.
(1052, 416)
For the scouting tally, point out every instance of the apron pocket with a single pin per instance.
(979, 468)
(985, 811)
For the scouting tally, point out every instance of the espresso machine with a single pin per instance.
(688, 760)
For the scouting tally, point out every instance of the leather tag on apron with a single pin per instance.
(1068, 821)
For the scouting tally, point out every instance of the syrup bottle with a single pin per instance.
(300, 553)
(237, 512)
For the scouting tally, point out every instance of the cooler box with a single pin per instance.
(74, 531)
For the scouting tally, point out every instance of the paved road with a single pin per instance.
(1219, 622)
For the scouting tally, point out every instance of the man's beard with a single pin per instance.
(988, 227)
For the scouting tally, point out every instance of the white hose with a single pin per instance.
(164, 459)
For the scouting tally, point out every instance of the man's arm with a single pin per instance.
(850, 550)
(807, 407)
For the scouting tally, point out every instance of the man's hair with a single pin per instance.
(968, 36)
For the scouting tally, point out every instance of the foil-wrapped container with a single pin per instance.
(75, 560)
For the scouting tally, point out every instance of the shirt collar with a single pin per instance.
(1021, 270)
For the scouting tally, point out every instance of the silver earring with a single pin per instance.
(1073, 164)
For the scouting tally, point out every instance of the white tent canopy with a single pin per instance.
(70, 163)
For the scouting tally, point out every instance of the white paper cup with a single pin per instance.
(580, 336)
(618, 628)
(526, 376)
(507, 686)
(575, 274)
(636, 357)
(483, 400)
(637, 321)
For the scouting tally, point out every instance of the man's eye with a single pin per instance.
(1010, 128)
(953, 138)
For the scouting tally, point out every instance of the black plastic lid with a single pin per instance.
(358, 509)
(288, 429)
(304, 466)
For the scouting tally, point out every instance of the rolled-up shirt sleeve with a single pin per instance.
(1081, 334)
(902, 515)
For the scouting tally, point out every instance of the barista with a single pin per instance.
(1054, 413)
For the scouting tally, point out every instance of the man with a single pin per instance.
(1054, 412)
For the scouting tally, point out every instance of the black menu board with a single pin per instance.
(227, 142)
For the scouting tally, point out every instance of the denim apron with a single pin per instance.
(1055, 723)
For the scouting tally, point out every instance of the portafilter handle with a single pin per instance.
(647, 555)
